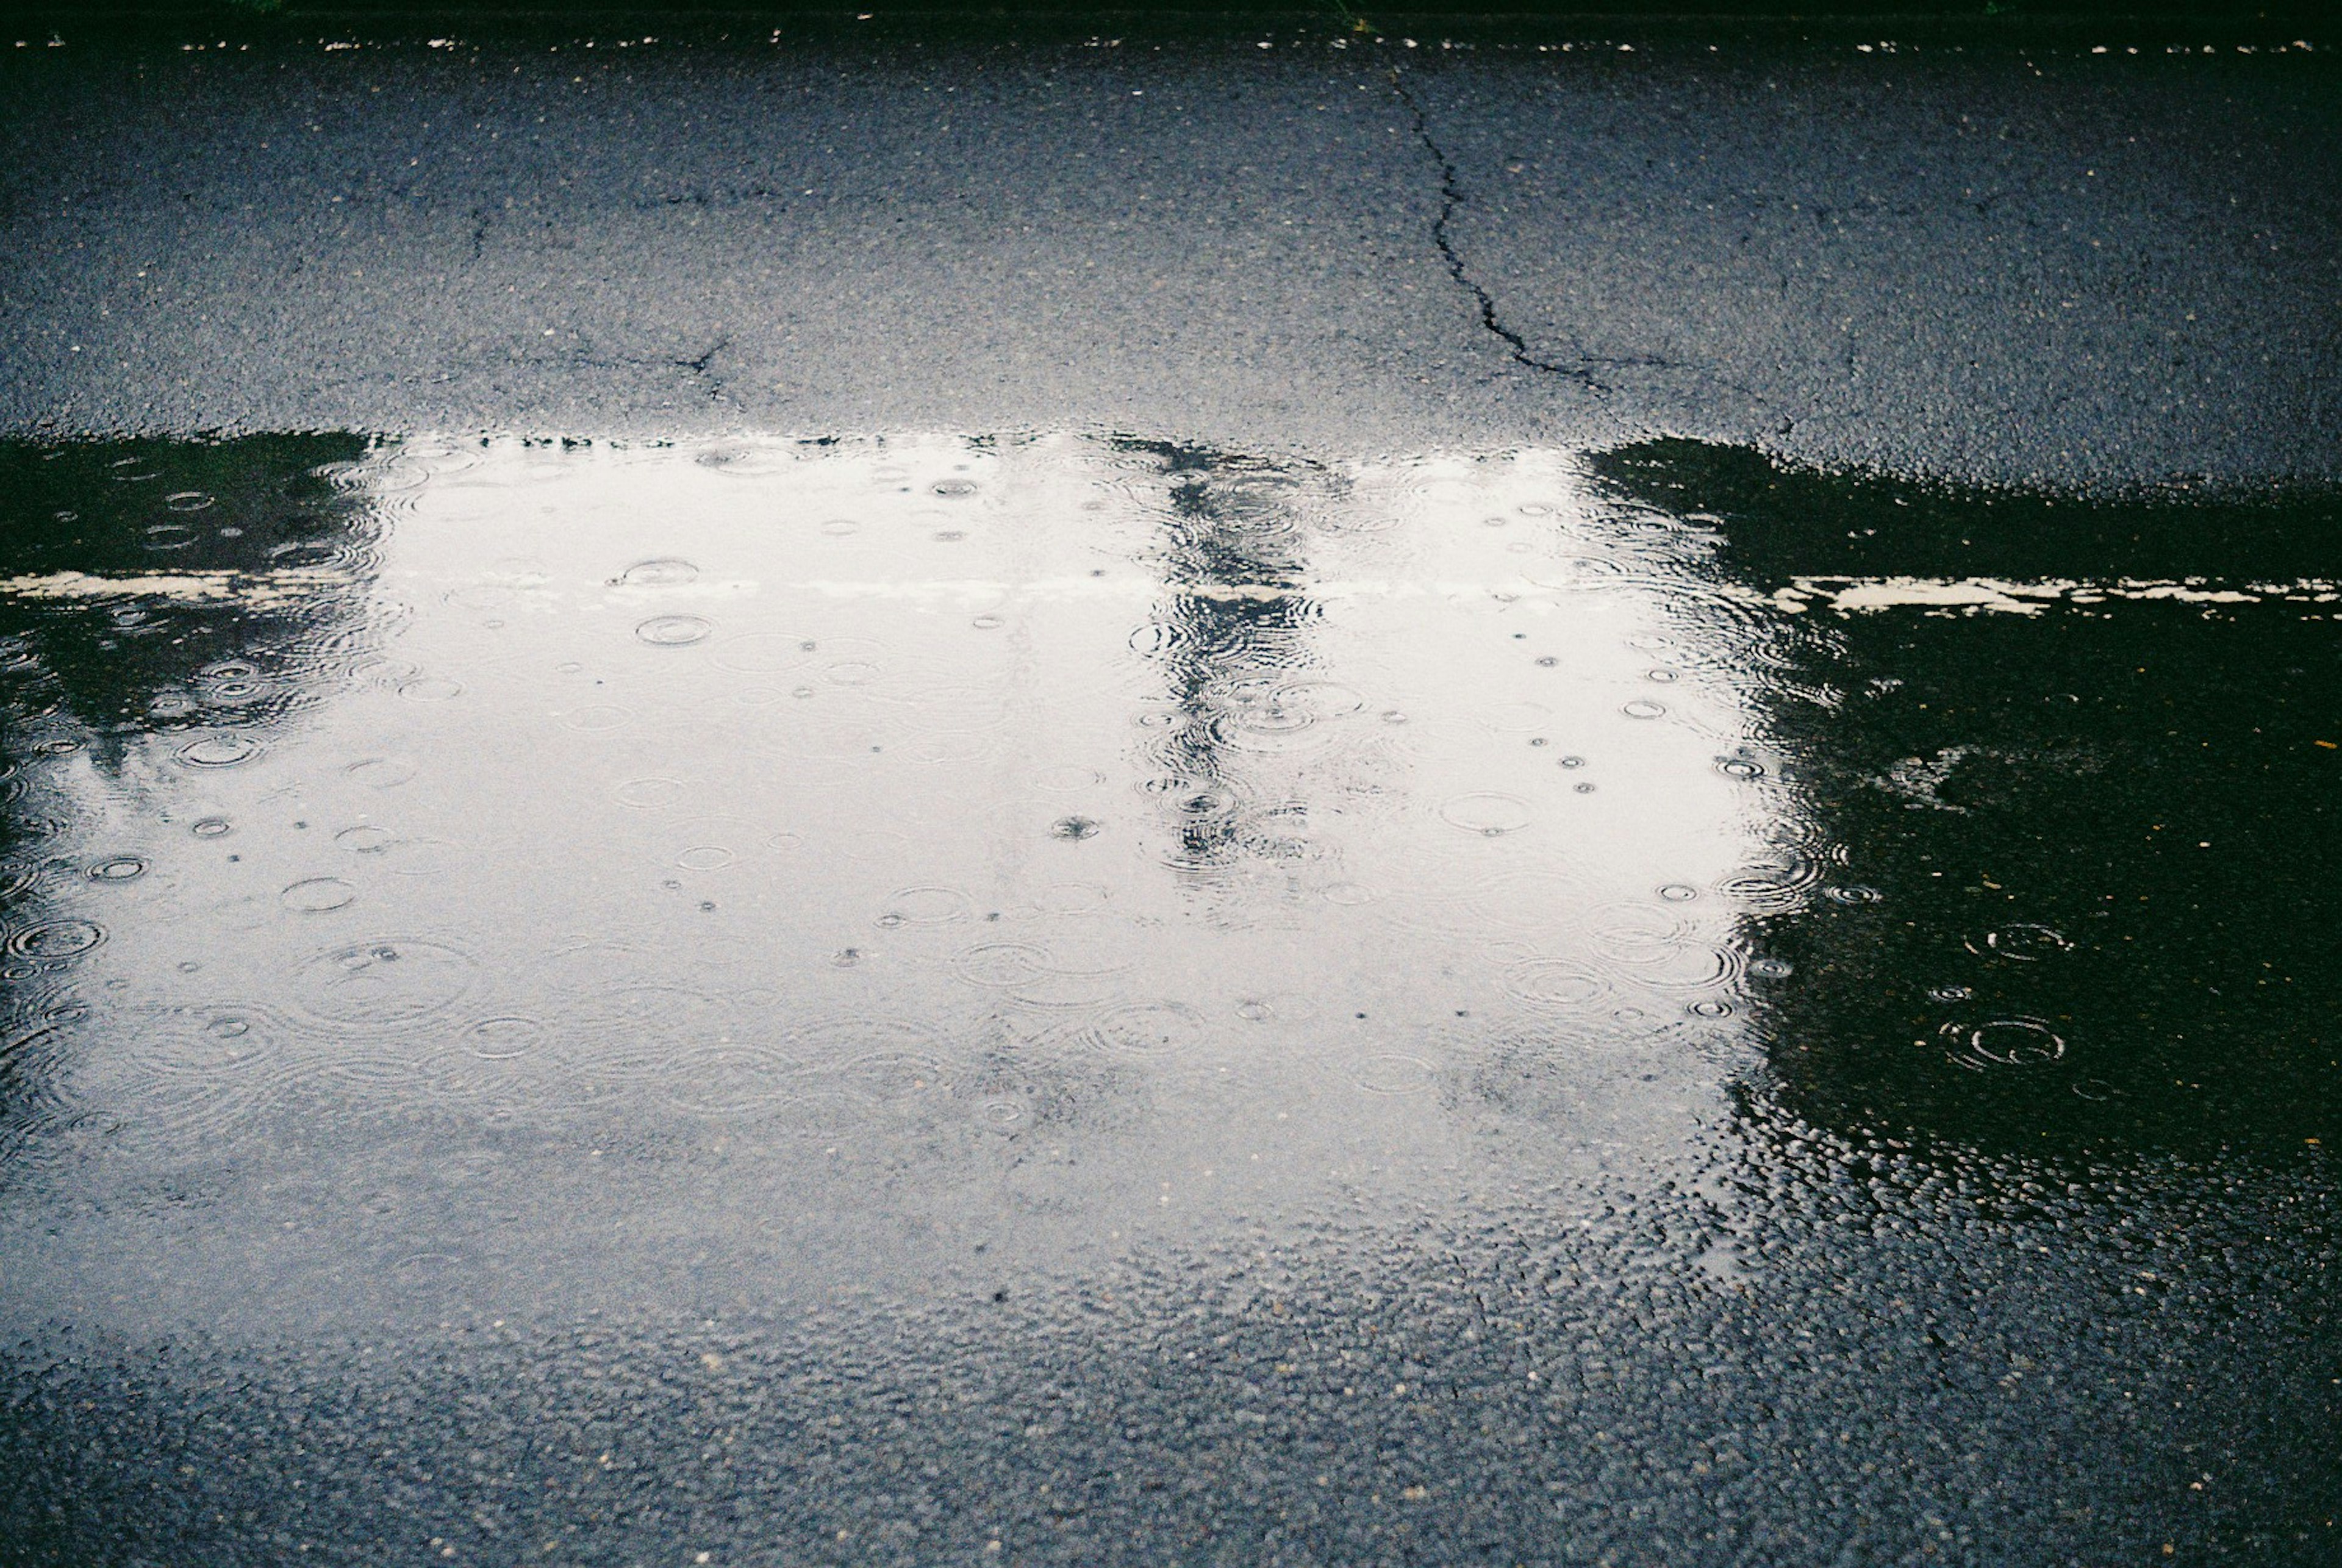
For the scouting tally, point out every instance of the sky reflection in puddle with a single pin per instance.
(839, 859)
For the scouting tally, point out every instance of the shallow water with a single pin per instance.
(1322, 1008)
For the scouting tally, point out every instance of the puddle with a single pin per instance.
(803, 792)
(478, 875)
(2059, 766)
(1379, 737)
(1383, 739)
(867, 883)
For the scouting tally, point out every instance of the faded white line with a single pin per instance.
(1846, 595)
(2008, 597)
(261, 590)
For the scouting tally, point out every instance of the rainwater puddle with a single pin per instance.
(1178, 834)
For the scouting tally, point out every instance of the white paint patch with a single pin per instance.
(256, 590)
(1997, 596)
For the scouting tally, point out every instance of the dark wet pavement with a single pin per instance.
(1979, 259)
(1137, 889)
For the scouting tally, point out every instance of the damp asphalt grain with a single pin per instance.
(1044, 800)
(1983, 259)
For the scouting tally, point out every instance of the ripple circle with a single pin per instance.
(387, 982)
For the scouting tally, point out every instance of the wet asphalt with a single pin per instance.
(1070, 800)
(1978, 260)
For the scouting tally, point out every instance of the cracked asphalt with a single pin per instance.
(1278, 799)
(1983, 261)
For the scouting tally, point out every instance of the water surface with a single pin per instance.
(1079, 997)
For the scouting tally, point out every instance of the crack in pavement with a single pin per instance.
(698, 367)
(1451, 197)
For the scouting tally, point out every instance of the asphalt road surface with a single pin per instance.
(1296, 798)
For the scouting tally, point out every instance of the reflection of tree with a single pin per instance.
(1229, 634)
(135, 567)
(149, 587)
(2104, 838)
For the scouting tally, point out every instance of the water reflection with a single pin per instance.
(967, 845)
(1622, 969)
(2071, 767)
(983, 833)
(170, 607)
(1231, 640)
(162, 586)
